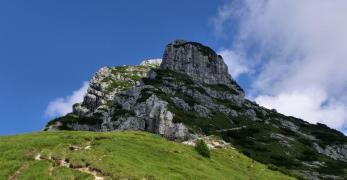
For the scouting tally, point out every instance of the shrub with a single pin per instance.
(272, 167)
(246, 153)
(202, 149)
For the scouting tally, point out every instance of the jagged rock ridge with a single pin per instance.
(191, 94)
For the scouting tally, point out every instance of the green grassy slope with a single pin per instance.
(115, 155)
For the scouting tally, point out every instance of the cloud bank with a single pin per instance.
(294, 52)
(63, 105)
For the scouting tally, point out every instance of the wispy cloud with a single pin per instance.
(63, 105)
(237, 63)
(297, 52)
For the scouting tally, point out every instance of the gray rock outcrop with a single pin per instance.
(108, 82)
(337, 152)
(151, 62)
(150, 115)
(198, 61)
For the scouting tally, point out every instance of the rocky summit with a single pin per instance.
(200, 62)
(188, 95)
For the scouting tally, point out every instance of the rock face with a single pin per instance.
(337, 152)
(191, 95)
(198, 61)
(150, 115)
(96, 95)
(108, 82)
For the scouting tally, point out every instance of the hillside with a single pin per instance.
(190, 95)
(130, 155)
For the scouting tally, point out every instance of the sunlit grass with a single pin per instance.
(134, 155)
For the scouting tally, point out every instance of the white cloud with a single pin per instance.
(235, 61)
(63, 105)
(307, 105)
(300, 50)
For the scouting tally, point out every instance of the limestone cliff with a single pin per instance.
(199, 62)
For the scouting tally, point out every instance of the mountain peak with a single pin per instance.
(198, 61)
(192, 95)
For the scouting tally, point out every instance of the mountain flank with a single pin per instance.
(191, 95)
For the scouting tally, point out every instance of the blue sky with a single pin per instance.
(274, 49)
(49, 48)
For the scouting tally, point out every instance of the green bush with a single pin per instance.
(247, 153)
(272, 167)
(202, 148)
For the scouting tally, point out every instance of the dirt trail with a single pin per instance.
(18, 172)
(63, 163)
(92, 172)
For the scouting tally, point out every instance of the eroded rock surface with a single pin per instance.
(199, 62)
(338, 152)
(108, 82)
